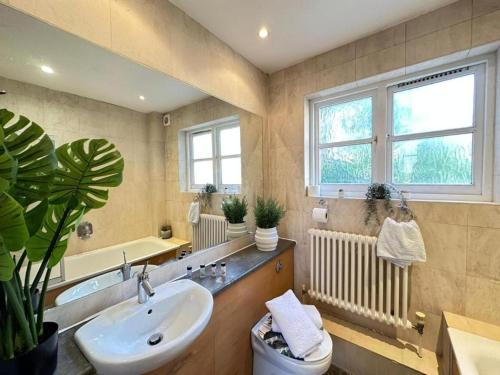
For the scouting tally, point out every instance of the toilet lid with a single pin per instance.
(324, 349)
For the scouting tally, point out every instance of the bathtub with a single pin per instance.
(82, 266)
(475, 355)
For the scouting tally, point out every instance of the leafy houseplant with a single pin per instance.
(43, 194)
(205, 195)
(268, 214)
(235, 210)
(375, 193)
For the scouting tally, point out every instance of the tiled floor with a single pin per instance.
(336, 371)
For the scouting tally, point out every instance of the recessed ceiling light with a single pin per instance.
(263, 33)
(47, 69)
(142, 97)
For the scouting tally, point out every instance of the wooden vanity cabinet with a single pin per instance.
(225, 346)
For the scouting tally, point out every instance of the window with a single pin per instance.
(424, 135)
(214, 155)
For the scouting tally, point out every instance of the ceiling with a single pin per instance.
(82, 68)
(298, 29)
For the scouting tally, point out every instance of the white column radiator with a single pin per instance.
(346, 272)
(210, 231)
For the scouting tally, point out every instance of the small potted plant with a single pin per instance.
(268, 214)
(377, 192)
(235, 210)
(165, 232)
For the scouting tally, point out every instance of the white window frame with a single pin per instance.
(383, 137)
(214, 127)
(331, 188)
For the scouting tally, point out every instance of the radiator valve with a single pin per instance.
(420, 322)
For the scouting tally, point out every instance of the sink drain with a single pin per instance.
(155, 339)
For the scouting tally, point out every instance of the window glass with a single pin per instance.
(439, 106)
(440, 160)
(202, 145)
(231, 171)
(203, 172)
(346, 165)
(230, 141)
(345, 121)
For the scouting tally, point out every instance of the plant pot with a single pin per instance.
(266, 239)
(236, 230)
(42, 360)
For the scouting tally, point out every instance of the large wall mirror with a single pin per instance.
(184, 152)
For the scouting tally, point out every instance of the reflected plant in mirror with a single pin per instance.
(235, 210)
(44, 192)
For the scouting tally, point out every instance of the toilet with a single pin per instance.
(267, 361)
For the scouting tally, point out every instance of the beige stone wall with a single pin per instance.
(462, 273)
(211, 109)
(159, 35)
(135, 209)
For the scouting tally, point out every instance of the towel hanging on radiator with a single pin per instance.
(400, 243)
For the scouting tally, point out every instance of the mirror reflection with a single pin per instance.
(181, 168)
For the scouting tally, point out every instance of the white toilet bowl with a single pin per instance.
(267, 361)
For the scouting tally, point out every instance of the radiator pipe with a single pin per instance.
(419, 327)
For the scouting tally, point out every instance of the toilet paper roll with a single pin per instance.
(320, 215)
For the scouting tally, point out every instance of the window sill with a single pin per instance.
(420, 199)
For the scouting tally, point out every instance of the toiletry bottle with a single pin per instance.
(223, 269)
(202, 271)
(189, 272)
(213, 271)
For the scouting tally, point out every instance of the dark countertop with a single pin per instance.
(238, 265)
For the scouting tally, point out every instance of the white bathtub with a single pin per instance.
(475, 355)
(91, 263)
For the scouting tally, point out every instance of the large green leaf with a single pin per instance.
(33, 151)
(6, 262)
(86, 169)
(39, 243)
(12, 225)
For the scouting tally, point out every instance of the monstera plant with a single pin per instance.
(43, 194)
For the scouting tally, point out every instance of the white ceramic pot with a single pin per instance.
(266, 239)
(236, 230)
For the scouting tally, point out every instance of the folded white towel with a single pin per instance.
(401, 243)
(313, 313)
(299, 331)
(194, 213)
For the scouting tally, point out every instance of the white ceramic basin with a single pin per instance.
(97, 283)
(116, 342)
(476, 355)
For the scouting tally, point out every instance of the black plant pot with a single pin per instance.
(41, 360)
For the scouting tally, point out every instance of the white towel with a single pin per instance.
(401, 243)
(194, 213)
(311, 311)
(299, 331)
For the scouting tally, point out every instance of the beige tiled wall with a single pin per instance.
(462, 273)
(251, 159)
(159, 35)
(137, 206)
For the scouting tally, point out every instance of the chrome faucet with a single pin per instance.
(144, 288)
(126, 268)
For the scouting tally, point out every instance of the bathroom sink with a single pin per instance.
(133, 338)
(97, 283)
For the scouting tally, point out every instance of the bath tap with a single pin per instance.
(126, 268)
(144, 288)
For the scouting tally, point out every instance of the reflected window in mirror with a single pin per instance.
(214, 155)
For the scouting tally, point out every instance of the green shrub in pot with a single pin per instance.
(235, 210)
(268, 213)
(44, 192)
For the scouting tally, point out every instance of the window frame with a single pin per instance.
(477, 129)
(383, 138)
(331, 188)
(214, 127)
